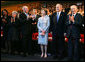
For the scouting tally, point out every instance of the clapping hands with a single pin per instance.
(71, 18)
(4, 20)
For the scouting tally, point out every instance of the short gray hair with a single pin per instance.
(73, 6)
(59, 4)
(24, 7)
(14, 12)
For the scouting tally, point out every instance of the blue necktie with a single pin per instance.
(57, 16)
(26, 14)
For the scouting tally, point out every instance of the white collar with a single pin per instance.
(74, 14)
(26, 14)
(59, 13)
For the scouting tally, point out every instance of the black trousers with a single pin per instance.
(4, 38)
(26, 44)
(57, 45)
(36, 46)
(2, 43)
(8, 45)
(15, 45)
(73, 48)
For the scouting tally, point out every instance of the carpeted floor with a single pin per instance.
(36, 57)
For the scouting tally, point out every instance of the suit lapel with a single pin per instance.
(55, 18)
(75, 16)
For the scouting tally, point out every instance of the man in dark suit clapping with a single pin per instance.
(26, 35)
(73, 26)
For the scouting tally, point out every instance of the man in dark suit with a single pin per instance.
(73, 26)
(26, 35)
(57, 27)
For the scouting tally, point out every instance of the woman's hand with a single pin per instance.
(43, 31)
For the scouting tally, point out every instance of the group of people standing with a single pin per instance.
(20, 29)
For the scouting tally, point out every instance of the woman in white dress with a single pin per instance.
(43, 29)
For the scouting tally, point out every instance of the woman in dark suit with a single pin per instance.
(13, 33)
(4, 26)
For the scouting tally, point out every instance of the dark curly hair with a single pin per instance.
(4, 10)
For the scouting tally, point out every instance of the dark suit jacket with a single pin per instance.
(36, 19)
(50, 28)
(25, 26)
(34, 27)
(5, 26)
(58, 27)
(82, 27)
(73, 29)
(13, 32)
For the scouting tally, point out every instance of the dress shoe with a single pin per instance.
(70, 59)
(60, 57)
(24, 55)
(54, 57)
